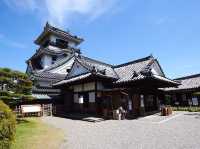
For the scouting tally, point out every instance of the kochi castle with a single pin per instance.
(77, 83)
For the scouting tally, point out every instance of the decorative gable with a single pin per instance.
(77, 69)
(156, 69)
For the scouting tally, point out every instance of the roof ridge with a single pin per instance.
(97, 61)
(188, 77)
(134, 61)
(53, 28)
(82, 63)
(49, 28)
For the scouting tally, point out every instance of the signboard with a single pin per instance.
(31, 108)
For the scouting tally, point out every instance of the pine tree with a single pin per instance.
(15, 86)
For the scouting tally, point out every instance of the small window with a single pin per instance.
(61, 43)
(65, 55)
(68, 70)
(46, 43)
(54, 58)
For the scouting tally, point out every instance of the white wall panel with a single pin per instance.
(92, 97)
(89, 86)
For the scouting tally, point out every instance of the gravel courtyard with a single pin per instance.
(180, 131)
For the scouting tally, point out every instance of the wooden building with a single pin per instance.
(186, 94)
(92, 86)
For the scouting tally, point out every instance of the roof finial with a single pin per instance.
(151, 55)
(47, 25)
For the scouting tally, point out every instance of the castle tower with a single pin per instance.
(54, 45)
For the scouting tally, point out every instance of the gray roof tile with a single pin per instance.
(188, 82)
(132, 71)
(99, 66)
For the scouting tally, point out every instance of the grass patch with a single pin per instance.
(32, 133)
(190, 109)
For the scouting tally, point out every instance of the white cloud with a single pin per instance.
(8, 42)
(61, 12)
(16, 44)
(22, 4)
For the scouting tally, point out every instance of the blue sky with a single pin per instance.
(115, 31)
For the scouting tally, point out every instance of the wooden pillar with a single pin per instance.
(136, 104)
(95, 103)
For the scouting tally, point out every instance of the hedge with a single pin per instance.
(7, 126)
(190, 109)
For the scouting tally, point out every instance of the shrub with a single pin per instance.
(190, 109)
(4, 93)
(6, 99)
(7, 126)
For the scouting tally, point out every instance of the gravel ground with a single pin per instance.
(180, 131)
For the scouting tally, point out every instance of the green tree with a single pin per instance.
(7, 126)
(15, 86)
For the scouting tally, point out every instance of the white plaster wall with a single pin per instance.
(155, 69)
(53, 38)
(71, 44)
(75, 98)
(89, 86)
(100, 86)
(92, 97)
(77, 69)
(84, 87)
(78, 99)
(46, 61)
(43, 83)
(78, 88)
(63, 68)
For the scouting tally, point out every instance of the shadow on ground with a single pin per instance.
(82, 117)
(197, 115)
(20, 121)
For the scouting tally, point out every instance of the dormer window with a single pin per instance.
(46, 43)
(61, 43)
(68, 70)
(65, 55)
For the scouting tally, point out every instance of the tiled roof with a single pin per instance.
(80, 77)
(48, 76)
(51, 50)
(59, 63)
(188, 82)
(128, 72)
(132, 70)
(45, 90)
(101, 67)
(41, 96)
(50, 29)
(157, 77)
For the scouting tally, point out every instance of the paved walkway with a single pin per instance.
(180, 131)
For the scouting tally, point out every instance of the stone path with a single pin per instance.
(179, 132)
